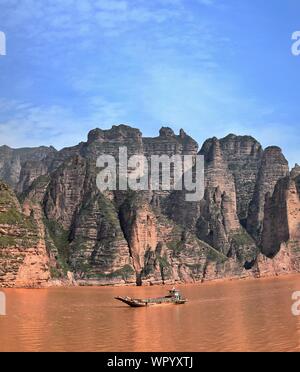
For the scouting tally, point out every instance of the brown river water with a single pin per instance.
(250, 315)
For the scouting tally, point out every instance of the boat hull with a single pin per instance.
(133, 302)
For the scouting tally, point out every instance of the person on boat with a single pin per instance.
(175, 293)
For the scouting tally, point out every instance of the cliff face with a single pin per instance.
(24, 261)
(12, 162)
(243, 155)
(219, 224)
(281, 228)
(65, 225)
(273, 167)
(282, 215)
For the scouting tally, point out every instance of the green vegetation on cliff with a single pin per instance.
(57, 242)
(17, 228)
(125, 273)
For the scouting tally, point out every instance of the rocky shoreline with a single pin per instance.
(64, 283)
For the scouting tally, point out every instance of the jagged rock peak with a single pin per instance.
(232, 136)
(274, 154)
(295, 172)
(234, 144)
(95, 135)
(273, 150)
(182, 134)
(166, 132)
(211, 149)
(169, 143)
(116, 132)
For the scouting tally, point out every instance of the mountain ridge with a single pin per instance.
(112, 238)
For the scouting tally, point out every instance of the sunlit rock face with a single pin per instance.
(273, 167)
(282, 215)
(243, 155)
(62, 229)
(24, 261)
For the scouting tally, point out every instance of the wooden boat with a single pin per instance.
(174, 297)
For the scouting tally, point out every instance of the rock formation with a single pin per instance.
(273, 167)
(243, 155)
(63, 229)
(24, 261)
(12, 162)
(282, 215)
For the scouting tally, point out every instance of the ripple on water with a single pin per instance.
(233, 316)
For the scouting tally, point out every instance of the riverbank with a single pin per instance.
(71, 282)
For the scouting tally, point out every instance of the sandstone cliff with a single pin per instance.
(282, 215)
(24, 261)
(243, 155)
(273, 167)
(63, 228)
(12, 162)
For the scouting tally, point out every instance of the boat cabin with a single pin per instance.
(175, 293)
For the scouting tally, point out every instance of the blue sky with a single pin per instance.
(212, 67)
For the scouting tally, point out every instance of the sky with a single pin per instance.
(212, 67)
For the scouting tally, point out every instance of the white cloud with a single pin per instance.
(170, 72)
(23, 124)
(211, 104)
(70, 17)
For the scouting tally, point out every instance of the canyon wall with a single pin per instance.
(57, 227)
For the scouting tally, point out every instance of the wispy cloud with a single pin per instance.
(74, 18)
(76, 64)
(23, 124)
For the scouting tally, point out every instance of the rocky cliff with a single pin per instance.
(282, 215)
(62, 227)
(24, 261)
(26, 160)
(273, 167)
